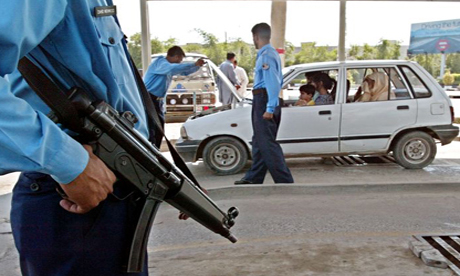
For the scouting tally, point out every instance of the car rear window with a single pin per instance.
(418, 86)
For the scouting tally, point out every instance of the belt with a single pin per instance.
(259, 90)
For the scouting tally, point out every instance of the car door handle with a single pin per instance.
(403, 107)
(324, 112)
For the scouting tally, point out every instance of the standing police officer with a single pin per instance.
(78, 43)
(159, 76)
(266, 113)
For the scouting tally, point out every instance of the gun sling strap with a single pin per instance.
(66, 113)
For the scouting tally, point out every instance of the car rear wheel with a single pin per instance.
(225, 155)
(414, 150)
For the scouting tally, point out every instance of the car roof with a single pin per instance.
(347, 63)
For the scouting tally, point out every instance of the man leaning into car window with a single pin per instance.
(158, 78)
(266, 113)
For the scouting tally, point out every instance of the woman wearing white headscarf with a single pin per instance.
(375, 88)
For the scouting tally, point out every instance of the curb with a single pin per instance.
(229, 192)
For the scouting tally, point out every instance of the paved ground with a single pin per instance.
(348, 220)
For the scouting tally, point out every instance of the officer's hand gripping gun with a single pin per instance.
(135, 160)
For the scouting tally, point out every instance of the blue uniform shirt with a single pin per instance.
(68, 41)
(268, 75)
(160, 72)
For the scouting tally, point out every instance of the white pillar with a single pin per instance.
(145, 37)
(342, 29)
(278, 24)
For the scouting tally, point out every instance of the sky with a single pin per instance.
(307, 21)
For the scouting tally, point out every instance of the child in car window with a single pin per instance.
(323, 83)
(306, 95)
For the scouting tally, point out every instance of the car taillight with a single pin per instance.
(452, 114)
(205, 107)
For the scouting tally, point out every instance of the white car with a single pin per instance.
(416, 113)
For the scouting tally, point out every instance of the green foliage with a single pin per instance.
(456, 78)
(158, 47)
(453, 62)
(134, 48)
(448, 79)
(309, 52)
(312, 53)
(386, 49)
(431, 63)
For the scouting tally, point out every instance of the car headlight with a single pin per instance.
(183, 133)
(172, 101)
(185, 101)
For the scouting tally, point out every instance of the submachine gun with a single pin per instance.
(132, 158)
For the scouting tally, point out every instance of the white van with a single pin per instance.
(190, 94)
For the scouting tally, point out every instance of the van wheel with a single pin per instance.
(225, 155)
(414, 150)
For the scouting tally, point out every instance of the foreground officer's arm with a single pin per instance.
(29, 141)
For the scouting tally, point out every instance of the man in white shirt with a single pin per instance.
(242, 77)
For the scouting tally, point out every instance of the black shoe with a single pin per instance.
(243, 182)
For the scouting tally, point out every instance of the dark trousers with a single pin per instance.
(266, 152)
(54, 242)
(156, 135)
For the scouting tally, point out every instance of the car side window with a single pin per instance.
(418, 87)
(372, 84)
(291, 92)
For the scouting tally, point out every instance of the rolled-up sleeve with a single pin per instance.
(29, 141)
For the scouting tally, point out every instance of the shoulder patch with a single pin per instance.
(265, 66)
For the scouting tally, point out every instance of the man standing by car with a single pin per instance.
(266, 113)
(242, 77)
(158, 78)
(225, 94)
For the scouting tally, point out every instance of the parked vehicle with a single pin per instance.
(193, 93)
(406, 124)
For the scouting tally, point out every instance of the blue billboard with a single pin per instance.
(435, 37)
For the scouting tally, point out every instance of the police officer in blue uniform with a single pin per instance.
(79, 43)
(158, 78)
(266, 113)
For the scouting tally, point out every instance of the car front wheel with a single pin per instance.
(225, 155)
(414, 150)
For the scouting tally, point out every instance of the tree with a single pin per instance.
(431, 63)
(453, 62)
(289, 57)
(212, 48)
(312, 53)
(193, 48)
(157, 46)
(387, 49)
(134, 48)
(448, 78)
